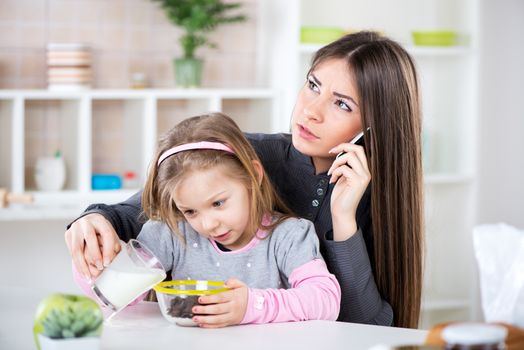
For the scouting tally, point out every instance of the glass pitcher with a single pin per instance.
(132, 272)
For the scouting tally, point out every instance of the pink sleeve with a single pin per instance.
(314, 295)
(85, 285)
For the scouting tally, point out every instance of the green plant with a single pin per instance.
(198, 18)
(61, 316)
(72, 322)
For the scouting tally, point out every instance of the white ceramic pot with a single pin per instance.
(87, 343)
(50, 173)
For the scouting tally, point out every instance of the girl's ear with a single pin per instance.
(259, 169)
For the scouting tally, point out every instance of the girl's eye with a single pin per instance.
(312, 85)
(343, 105)
(218, 204)
(189, 212)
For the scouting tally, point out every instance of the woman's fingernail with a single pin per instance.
(99, 266)
(106, 262)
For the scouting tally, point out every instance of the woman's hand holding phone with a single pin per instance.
(351, 175)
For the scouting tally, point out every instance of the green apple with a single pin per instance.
(67, 315)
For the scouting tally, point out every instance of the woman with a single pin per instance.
(370, 233)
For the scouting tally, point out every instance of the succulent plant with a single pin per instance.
(73, 321)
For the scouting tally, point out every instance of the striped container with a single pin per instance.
(68, 66)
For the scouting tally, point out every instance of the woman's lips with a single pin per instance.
(306, 134)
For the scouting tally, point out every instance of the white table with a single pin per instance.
(143, 327)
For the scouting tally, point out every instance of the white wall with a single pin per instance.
(501, 141)
(34, 254)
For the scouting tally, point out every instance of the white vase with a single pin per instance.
(87, 343)
(50, 173)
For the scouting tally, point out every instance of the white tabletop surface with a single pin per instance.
(143, 327)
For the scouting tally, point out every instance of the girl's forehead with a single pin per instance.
(208, 177)
(218, 169)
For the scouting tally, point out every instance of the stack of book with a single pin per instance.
(68, 66)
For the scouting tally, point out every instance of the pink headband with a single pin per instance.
(194, 145)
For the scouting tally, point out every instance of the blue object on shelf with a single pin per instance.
(106, 182)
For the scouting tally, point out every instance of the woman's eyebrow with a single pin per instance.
(346, 97)
(315, 79)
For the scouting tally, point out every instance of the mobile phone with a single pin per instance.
(357, 140)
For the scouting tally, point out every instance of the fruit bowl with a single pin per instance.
(434, 38)
(177, 298)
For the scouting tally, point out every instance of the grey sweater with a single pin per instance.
(308, 195)
(262, 263)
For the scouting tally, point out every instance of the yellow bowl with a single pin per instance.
(434, 38)
(177, 298)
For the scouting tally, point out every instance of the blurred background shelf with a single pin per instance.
(110, 131)
(61, 205)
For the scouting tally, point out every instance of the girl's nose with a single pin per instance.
(209, 222)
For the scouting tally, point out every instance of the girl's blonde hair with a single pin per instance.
(157, 199)
(386, 80)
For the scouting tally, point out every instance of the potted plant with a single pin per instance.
(68, 322)
(197, 18)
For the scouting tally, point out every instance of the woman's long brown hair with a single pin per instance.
(386, 80)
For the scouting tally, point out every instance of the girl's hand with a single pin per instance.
(351, 176)
(223, 309)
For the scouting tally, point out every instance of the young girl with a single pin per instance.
(211, 214)
(366, 205)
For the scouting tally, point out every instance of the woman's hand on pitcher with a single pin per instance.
(93, 243)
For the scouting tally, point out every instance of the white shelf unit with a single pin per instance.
(104, 131)
(448, 77)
